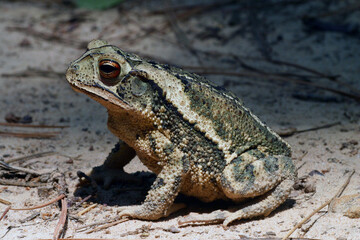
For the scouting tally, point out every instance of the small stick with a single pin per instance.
(82, 239)
(352, 7)
(165, 230)
(295, 65)
(307, 218)
(181, 36)
(61, 224)
(40, 206)
(44, 135)
(87, 209)
(279, 62)
(3, 201)
(318, 128)
(21, 184)
(293, 131)
(33, 72)
(23, 125)
(304, 231)
(180, 16)
(277, 77)
(84, 227)
(108, 225)
(302, 156)
(36, 155)
(339, 192)
(297, 169)
(82, 201)
(47, 36)
(5, 212)
(300, 159)
(17, 169)
(31, 217)
(201, 6)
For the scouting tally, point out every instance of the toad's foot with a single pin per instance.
(263, 207)
(112, 169)
(142, 211)
(107, 176)
(217, 216)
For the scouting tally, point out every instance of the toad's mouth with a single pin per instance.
(101, 95)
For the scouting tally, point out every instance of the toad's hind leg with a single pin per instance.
(265, 206)
(270, 178)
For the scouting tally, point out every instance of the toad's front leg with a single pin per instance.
(112, 169)
(160, 198)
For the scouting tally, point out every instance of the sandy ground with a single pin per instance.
(38, 41)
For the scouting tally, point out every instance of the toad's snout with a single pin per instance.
(72, 72)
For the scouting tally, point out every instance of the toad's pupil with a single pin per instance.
(107, 68)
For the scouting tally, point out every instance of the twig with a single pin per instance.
(299, 167)
(62, 220)
(181, 36)
(302, 156)
(292, 131)
(258, 30)
(341, 190)
(334, 78)
(30, 125)
(83, 228)
(307, 69)
(338, 193)
(47, 36)
(5, 212)
(300, 159)
(352, 7)
(198, 7)
(161, 28)
(36, 155)
(205, 8)
(34, 72)
(265, 76)
(31, 217)
(108, 225)
(274, 61)
(82, 201)
(75, 218)
(3, 201)
(43, 135)
(318, 128)
(304, 231)
(21, 184)
(82, 239)
(40, 206)
(87, 209)
(17, 169)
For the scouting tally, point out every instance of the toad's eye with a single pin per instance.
(109, 70)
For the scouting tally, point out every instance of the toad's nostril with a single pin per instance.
(73, 68)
